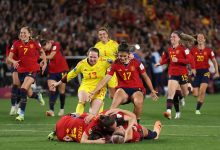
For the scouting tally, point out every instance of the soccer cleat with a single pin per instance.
(13, 111)
(167, 115)
(51, 136)
(61, 112)
(182, 102)
(41, 99)
(19, 118)
(198, 112)
(50, 113)
(177, 116)
(157, 128)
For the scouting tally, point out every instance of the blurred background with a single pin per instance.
(145, 24)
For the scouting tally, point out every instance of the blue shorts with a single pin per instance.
(12, 69)
(130, 92)
(56, 76)
(22, 76)
(202, 76)
(182, 79)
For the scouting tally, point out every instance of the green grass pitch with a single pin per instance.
(191, 132)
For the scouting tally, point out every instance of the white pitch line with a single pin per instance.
(147, 125)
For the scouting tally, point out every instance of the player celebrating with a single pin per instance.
(177, 58)
(26, 51)
(130, 87)
(93, 70)
(108, 49)
(55, 57)
(201, 55)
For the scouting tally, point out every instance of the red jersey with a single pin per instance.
(70, 128)
(58, 64)
(128, 75)
(28, 55)
(184, 57)
(202, 57)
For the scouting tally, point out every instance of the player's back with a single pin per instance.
(70, 128)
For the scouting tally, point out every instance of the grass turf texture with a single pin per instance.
(191, 132)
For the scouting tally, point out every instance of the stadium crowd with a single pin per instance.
(146, 22)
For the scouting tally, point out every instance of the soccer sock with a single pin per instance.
(151, 135)
(199, 105)
(18, 96)
(34, 95)
(101, 108)
(80, 108)
(14, 95)
(52, 99)
(176, 102)
(23, 102)
(169, 104)
(62, 101)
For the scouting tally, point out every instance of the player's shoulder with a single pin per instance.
(113, 42)
(98, 44)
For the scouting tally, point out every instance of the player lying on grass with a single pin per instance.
(109, 127)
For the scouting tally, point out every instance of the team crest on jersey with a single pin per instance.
(205, 53)
(31, 45)
(132, 68)
(177, 51)
(20, 46)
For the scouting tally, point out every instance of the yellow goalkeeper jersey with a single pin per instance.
(108, 50)
(91, 74)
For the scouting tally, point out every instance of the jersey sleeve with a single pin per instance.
(111, 69)
(212, 54)
(73, 73)
(38, 46)
(141, 68)
(164, 59)
(189, 59)
(14, 49)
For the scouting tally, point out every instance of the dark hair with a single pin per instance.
(95, 135)
(43, 42)
(93, 49)
(106, 121)
(123, 47)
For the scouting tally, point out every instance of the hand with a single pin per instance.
(194, 72)
(41, 63)
(91, 94)
(89, 118)
(156, 65)
(154, 95)
(55, 84)
(16, 64)
(44, 68)
(174, 59)
(216, 75)
(100, 141)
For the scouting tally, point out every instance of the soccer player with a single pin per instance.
(201, 55)
(130, 87)
(57, 68)
(15, 98)
(108, 49)
(93, 70)
(26, 64)
(177, 57)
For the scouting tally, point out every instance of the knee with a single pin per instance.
(138, 102)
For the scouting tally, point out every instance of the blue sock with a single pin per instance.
(14, 95)
(62, 101)
(23, 99)
(151, 135)
(52, 99)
